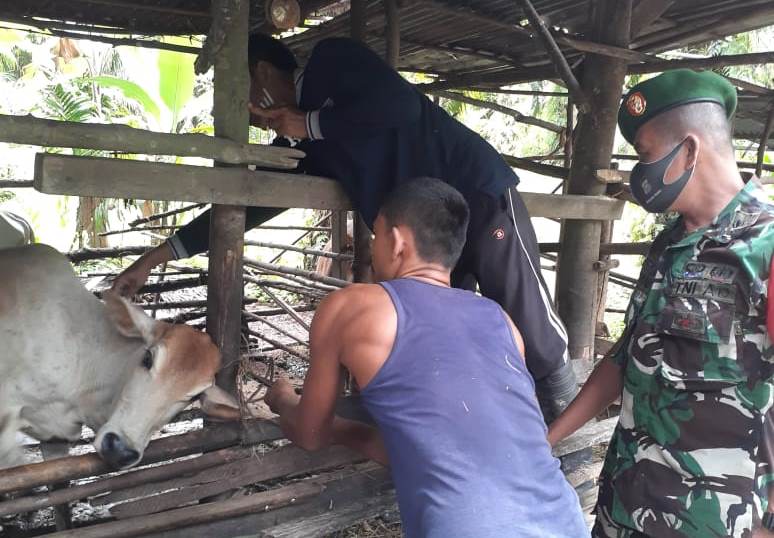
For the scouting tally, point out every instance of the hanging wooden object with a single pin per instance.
(283, 14)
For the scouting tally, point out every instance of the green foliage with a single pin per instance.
(176, 81)
(130, 90)
(6, 195)
(14, 64)
(68, 104)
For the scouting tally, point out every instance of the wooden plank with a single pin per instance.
(335, 520)
(63, 134)
(85, 176)
(572, 206)
(216, 480)
(121, 178)
(258, 502)
(368, 480)
(591, 434)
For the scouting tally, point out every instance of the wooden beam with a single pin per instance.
(472, 15)
(81, 176)
(605, 50)
(536, 167)
(145, 180)
(556, 55)
(646, 12)
(507, 91)
(135, 7)
(121, 138)
(572, 206)
(515, 114)
(658, 66)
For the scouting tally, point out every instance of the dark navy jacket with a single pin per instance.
(377, 130)
(371, 130)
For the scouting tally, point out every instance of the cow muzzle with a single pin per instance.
(116, 453)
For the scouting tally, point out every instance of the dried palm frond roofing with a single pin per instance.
(466, 42)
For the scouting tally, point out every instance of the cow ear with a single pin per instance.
(219, 404)
(129, 319)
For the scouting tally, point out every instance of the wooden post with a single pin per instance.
(361, 267)
(392, 32)
(227, 225)
(602, 83)
(338, 241)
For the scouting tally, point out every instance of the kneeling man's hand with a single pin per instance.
(280, 395)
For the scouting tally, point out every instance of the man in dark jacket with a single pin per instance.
(360, 122)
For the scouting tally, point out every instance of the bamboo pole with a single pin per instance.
(121, 138)
(515, 114)
(84, 254)
(287, 308)
(309, 275)
(319, 222)
(302, 250)
(278, 344)
(159, 216)
(252, 317)
(765, 140)
(556, 55)
(392, 41)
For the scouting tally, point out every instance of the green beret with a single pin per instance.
(669, 90)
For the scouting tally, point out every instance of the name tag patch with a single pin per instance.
(712, 272)
(703, 289)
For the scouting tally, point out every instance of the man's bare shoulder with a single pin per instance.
(355, 300)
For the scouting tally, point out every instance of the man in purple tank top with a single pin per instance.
(442, 373)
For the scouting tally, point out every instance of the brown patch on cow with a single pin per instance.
(189, 350)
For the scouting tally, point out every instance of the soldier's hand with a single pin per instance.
(284, 120)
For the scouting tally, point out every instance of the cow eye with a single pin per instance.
(147, 360)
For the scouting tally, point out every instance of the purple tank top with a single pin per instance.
(465, 436)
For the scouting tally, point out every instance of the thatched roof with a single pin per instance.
(465, 42)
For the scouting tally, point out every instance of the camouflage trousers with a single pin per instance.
(605, 527)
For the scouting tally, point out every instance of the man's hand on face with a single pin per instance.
(281, 395)
(284, 120)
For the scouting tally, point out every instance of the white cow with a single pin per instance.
(67, 359)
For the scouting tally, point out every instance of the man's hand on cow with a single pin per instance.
(284, 120)
(134, 277)
(281, 395)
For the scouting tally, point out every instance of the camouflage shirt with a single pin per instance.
(688, 457)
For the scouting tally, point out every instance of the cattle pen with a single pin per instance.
(587, 46)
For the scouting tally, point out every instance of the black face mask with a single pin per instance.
(648, 187)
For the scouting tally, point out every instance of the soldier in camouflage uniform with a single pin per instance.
(694, 368)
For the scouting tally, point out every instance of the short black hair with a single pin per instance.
(435, 212)
(263, 47)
